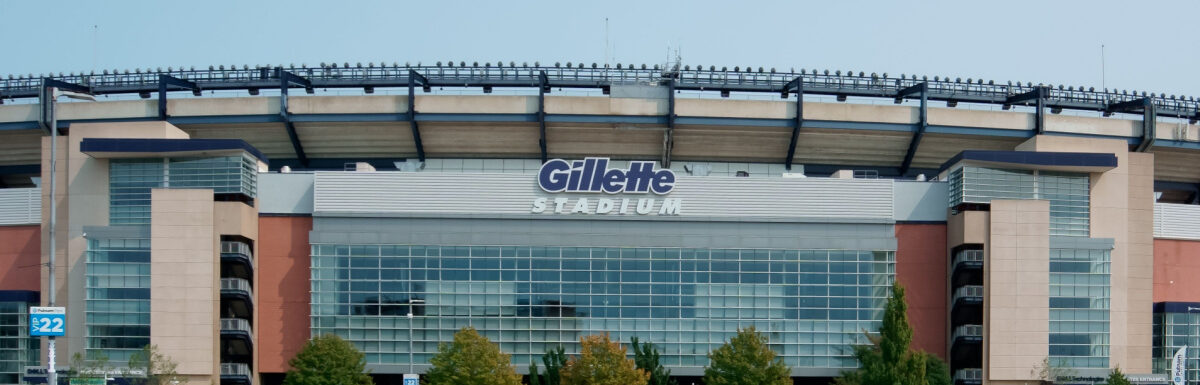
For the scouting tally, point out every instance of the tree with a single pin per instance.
(471, 359)
(94, 368)
(554, 359)
(645, 356)
(602, 362)
(1048, 372)
(533, 374)
(746, 360)
(1117, 378)
(157, 368)
(328, 360)
(936, 370)
(888, 360)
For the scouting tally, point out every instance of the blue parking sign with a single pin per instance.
(47, 321)
(411, 379)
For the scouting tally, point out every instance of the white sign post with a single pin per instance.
(48, 321)
(1179, 367)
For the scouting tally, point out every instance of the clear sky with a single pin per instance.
(1149, 45)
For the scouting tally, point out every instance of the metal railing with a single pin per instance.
(237, 284)
(965, 331)
(968, 375)
(972, 291)
(229, 369)
(235, 247)
(968, 256)
(236, 324)
(578, 75)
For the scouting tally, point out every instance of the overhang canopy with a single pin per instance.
(1034, 160)
(131, 148)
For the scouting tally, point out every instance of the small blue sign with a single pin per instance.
(47, 321)
(412, 379)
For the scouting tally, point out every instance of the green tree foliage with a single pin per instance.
(328, 360)
(94, 368)
(1048, 372)
(602, 362)
(533, 374)
(554, 359)
(471, 360)
(888, 359)
(645, 356)
(1117, 378)
(746, 360)
(157, 367)
(936, 370)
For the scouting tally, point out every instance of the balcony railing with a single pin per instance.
(968, 256)
(968, 292)
(237, 284)
(968, 375)
(235, 247)
(968, 331)
(235, 370)
(236, 325)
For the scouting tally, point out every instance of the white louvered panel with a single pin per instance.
(20, 206)
(1176, 221)
(400, 194)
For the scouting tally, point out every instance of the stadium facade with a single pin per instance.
(227, 231)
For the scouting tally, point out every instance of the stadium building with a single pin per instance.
(1030, 224)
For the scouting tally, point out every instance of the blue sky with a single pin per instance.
(1150, 46)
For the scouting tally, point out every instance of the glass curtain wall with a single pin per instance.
(17, 348)
(1067, 193)
(812, 304)
(130, 181)
(1079, 302)
(1173, 330)
(118, 298)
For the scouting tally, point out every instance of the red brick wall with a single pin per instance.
(1176, 270)
(20, 256)
(283, 290)
(921, 268)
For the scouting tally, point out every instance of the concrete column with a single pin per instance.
(1016, 288)
(185, 282)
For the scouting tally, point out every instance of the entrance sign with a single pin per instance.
(47, 321)
(411, 379)
(592, 175)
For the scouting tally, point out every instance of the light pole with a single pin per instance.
(410, 341)
(54, 93)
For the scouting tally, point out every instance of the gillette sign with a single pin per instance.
(592, 175)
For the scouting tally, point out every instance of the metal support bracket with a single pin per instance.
(669, 134)
(921, 126)
(796, 85)
(1039, 95)
(165, 82)
(543, 88)
(46, 99)
(413, 79)
(1149, 119)
(287, 79)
